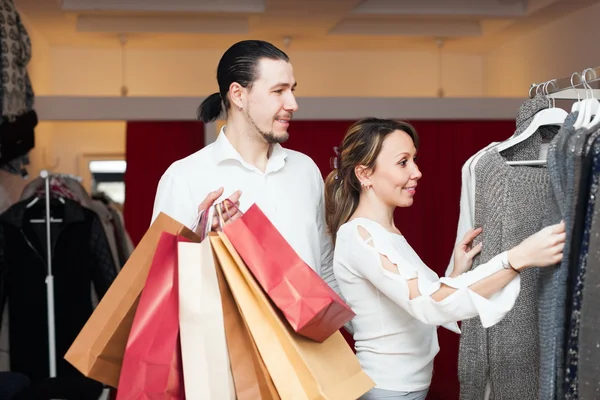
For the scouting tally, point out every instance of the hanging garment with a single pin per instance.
(80, 256)
(123, 241)
(590, 178)
(552, 281)
(467, 200)
(16, 96)
(509, 201)
(71, 188)
(466, 219)
(17, 138)
(589, 329)
(124, 244)
(15, 45)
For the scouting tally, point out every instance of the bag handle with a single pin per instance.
(219, 207)
(203, 221)
(202, 225)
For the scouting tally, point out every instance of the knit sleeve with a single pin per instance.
(371, 257)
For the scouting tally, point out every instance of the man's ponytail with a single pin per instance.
(211, 108)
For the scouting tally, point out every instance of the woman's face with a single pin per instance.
(394, 178)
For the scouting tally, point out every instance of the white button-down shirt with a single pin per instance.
(289, 192)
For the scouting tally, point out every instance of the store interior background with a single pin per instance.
(490, 49)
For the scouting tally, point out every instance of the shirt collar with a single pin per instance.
(224, 151)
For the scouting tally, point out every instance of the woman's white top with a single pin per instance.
(396, 337)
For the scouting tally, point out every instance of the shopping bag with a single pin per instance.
(98, 350)
(151, 366)
(311, 307)
(206, 366)
(250, 374)
(300, 368)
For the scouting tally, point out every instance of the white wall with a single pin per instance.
(193, 73)
(97, 72)
(553, 51)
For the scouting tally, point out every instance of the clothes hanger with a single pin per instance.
(590, 106)
(548, 116)
(576, 105)
(558, 113)
(594, 117)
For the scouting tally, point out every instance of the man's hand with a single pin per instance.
(228, 213)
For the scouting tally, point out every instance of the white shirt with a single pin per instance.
(289, 192)
(396, 337)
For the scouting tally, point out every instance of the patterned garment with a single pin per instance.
(15, 50)
(588, 360)
(589, 186)
(58, 188)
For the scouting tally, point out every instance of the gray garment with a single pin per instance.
(552, 280)
(381, 394)
(474, 367)
(589, 329)
(509, 204)
(124, 244)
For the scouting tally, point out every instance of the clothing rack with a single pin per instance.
(575, 87)
(49, 279)
(45, 174)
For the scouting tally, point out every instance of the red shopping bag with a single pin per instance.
(152, 362)
(311, 307)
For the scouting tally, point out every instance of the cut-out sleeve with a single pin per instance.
(365, 258)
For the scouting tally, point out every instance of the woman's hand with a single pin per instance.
(464, 252)
(542, 249)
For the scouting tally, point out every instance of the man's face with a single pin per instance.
(270, 101)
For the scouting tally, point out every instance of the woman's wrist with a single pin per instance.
(516, 260)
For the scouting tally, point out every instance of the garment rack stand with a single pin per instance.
(44, 174)
(569, 88)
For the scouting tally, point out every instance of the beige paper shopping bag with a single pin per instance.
(98, 350)
(206, 369)
(300, 368)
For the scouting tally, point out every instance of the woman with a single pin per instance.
(398, 300)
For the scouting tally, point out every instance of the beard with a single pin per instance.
(269, 136)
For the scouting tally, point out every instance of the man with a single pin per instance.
(247, 162)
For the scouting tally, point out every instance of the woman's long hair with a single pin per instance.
(360, 147)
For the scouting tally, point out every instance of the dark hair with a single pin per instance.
(361, 146)
(238, 64)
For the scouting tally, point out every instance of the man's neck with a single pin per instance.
(252, 147)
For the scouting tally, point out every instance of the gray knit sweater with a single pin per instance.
(509, 204)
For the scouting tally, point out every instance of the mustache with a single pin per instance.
(284, 116)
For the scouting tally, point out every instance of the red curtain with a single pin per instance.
(151, 146)
(430, 224)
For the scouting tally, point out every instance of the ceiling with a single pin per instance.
(322, 25)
